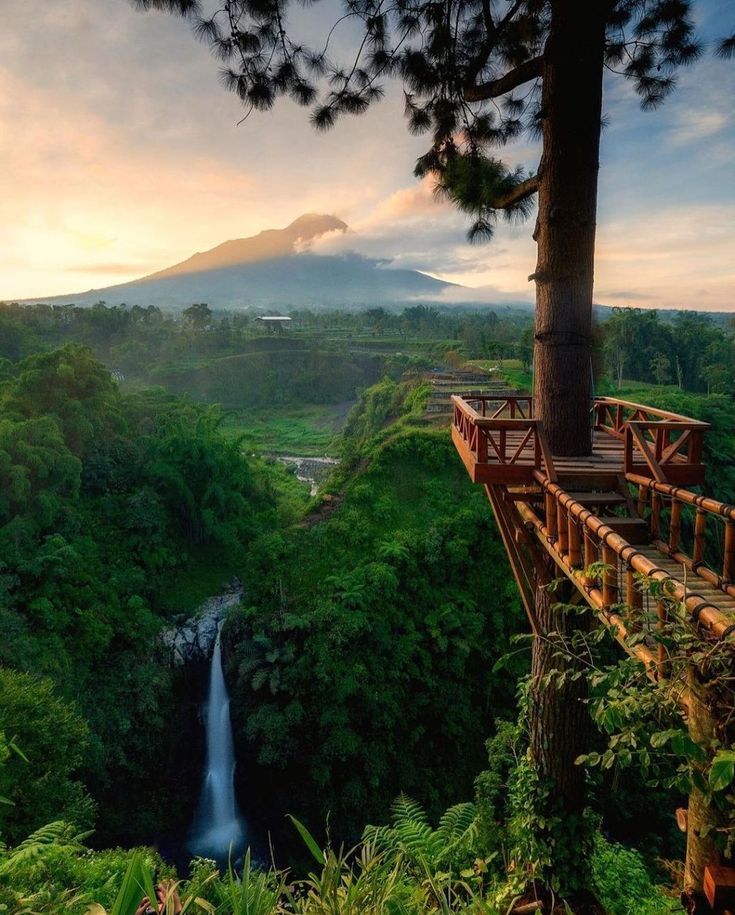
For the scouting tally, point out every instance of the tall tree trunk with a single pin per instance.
(560, 730)
(571, 111)
(701, 815)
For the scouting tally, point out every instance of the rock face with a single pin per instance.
(193, 639)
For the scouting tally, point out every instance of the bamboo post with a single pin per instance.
(561, 526)
(675, 525)
(574, 542)
(699, 526)
(633, 597)
(551, 526)
(655, 521)
(590, 555)
(663, 662)
(610, 578)
(728, 564)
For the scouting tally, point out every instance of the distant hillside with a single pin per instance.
(271, 269)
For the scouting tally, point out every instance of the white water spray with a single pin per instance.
(219, 831)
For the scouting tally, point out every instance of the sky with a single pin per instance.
(121, 154)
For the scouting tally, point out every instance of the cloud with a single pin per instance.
(698, 125)
(678, 256)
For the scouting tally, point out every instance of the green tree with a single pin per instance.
(53, 738)
(661, 368)
(198, 316)
(69, 385)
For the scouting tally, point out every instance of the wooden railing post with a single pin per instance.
(610, 577)
(562, 530)
(481, 445)
(551, 519)
(696, 441)
(675, 525)
(574, 542)
(728, 563)
(700, 523)
(642, 500)
(628, 450)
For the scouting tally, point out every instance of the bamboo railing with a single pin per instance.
(664, 505)
(581, 539)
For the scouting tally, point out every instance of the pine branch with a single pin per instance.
(519, 193)
(527, 71)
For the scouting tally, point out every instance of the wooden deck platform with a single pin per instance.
(621, 509)
(500, 442)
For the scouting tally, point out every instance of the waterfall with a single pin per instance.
(219, 830)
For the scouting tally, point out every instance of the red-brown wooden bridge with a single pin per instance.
(623, 509)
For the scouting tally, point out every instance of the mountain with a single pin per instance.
(271, 269)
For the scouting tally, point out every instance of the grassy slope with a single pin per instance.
(310, 429)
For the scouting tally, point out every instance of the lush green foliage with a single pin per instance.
(402, 868)
(623, 884)
(40, 783)
(363, 665)
(689, 349)
(229, 358)
(104, 499)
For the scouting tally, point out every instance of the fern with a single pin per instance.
(57, 835)
(405, 809)
(411, 836)
(457, 829)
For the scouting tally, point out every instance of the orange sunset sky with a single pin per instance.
(120, 154)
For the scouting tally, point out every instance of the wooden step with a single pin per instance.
(579, 480)
(524, 493)
(598, 498)
(634, 530)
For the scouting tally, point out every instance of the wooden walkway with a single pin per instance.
(620, 511)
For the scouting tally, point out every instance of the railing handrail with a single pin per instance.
(681, 425)
(666, 415)
(671, 419)
(705, 503)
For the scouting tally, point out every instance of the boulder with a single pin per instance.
(193, 638)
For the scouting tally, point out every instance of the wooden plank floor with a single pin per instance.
(607, 454)
(693, 583)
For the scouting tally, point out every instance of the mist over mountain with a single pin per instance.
(271, 269)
